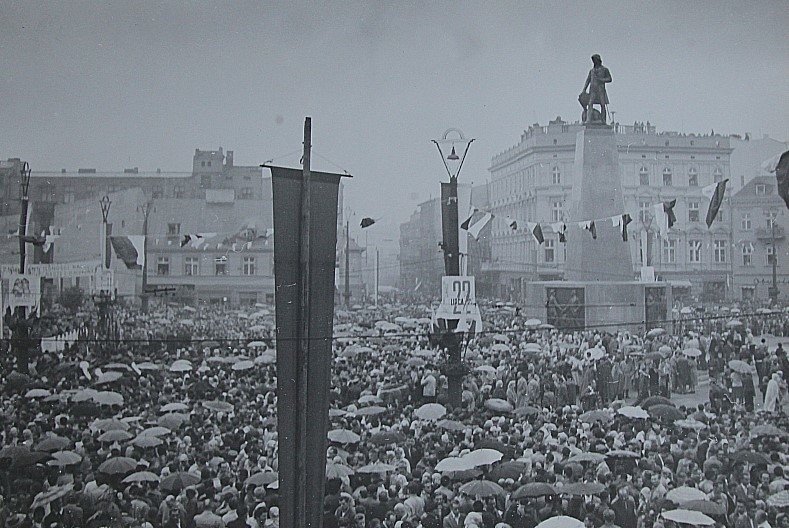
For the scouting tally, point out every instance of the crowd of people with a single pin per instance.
(174, 423)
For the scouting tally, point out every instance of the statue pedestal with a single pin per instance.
(597, 195)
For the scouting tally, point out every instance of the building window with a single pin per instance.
(693, 177)
(550, 250)
(157, 192)
(202, 163)
(68, 194)
(670, 251)
(248, 266)
(643, 212)
(246, 193)
(209, 163)
(191, 266)
(694, 251)
(556, 175)
(720, 251)
(178, 191)
(761, 189)
(667, 177)
(747, 254)
(745, 221)
(220, 265)
(643, 175)
(717, 175)
(163, 266)
(770, 255)
(748, 293)
(556, 211)
(205, 181)
(173, 229)
(693, 211)
(772, 216)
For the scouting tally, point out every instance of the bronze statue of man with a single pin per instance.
(595, 81)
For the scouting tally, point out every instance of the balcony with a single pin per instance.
(766, 234)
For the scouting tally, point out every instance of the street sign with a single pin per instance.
(459, 302)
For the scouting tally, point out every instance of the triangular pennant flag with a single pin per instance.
(511, 223)
(560, 228)
(715, 193)
(465, 223)
(536, 231)
(475, 228)
(130, 249)
(367, 222)
(624, 223)
(589, 226)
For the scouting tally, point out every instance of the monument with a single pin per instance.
(599, 290)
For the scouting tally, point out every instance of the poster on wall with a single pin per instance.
(565, 308)
(24, 290)
(655, 310)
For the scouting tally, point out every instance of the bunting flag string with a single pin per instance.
(560, 228)
(589, 226)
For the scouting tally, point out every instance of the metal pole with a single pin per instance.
(347, 265)
(20, 329)
(146, 211)
(774, 288)
(376, 277)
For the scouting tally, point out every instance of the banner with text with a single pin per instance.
(459, 302)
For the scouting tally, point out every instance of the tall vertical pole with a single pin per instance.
(302, 501)
(25, 186)
(376, 277)
(146, 211)
(20, 329)
(774, 287)
(347, 265)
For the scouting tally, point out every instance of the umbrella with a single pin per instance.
(779, 500)
(336, 471)
(219, 406)
(108, 377)
(118, 466)
(690, 424)
(665, 351)
(257, 344)
(533, 323)
(482, 457)
(582, 488)
(751, 457)
(655, 400)
(594, 458)
(343, 436)
(370, 398)
(498, 405)
(85, 409)
(546, 326)
(141, 476)
(454, 464)
(767, 430)
(631, 411)
(500, 347)
(740, 366)
(377, 467)
(734, 323)
(486, 369)
(53, 443)
(147, 365)
(655, 332)
(147, 441)
(430, 411)
(622, 453)
(177, 406)
(370, 411)
(387, 437)
(692, 352)
(109, 424)
(667, 413)
(182, 365)
(694, 518)
(652, 356)
(266, 359)
(531, 347)
(511, 469)
(561, 521)
(262, 478)
(84, 395)
(172, 420)
(336, 413)
(243, 365)
(108, 398)
(424, 353)
(115, 436)
(684, 494)
(179, 480)
(416, 362)
(501, 338)
(598, 415)
(482, 488)
(37, 393)
(452, 425)
(595, 353)
(51, 495)
(64, 458)
(527, 410)
(706, 507)
(534, 489)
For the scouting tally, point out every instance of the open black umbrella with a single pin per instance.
(655, 400)
(178, 481)
(751, 457)
(387, 437)
(582, 488)
(667, 413)
(534, 489)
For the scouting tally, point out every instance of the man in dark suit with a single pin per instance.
(455, 518)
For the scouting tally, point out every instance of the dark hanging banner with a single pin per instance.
(449, 227)
(303, 376)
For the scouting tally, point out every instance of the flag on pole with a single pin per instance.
(130, 249)
(367, 222)
(476, 222)
(560, 228)
(715, 192)
(536, 231)
(465, 223)
(780, 166)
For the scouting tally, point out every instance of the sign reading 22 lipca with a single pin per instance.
(459, 301)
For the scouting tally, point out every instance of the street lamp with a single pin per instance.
(146, 209)
(452, 140)
(772, 291)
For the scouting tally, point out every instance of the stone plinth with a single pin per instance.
(596, 195)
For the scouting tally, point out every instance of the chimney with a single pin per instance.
(229, 158)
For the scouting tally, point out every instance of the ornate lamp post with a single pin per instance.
(146, 209)
(453, 163)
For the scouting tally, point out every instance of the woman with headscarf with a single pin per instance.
(772, 394)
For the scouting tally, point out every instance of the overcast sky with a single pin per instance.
(117, 84)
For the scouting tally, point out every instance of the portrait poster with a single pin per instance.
(566, 308)
(24, 290)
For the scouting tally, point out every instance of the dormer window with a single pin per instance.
(761, 188)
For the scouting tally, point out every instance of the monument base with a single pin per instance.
(610, 306)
